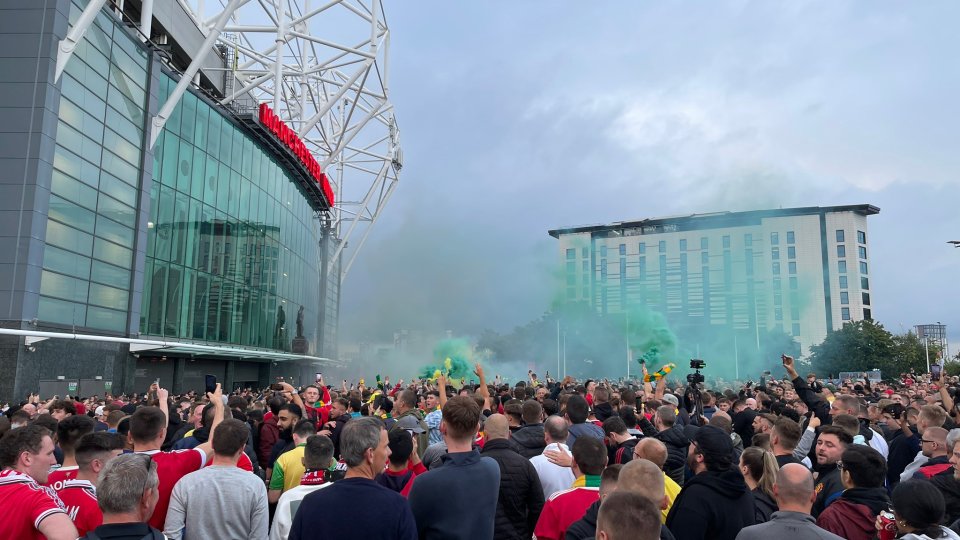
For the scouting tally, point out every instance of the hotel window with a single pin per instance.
(864, 283)
(571, 253)
(863, 267)
(775, 254)
(791, 252)
(842, 267)
(726, 242)
(704, 243)
(862, 252)
(774, 239)
(778, 313)
(777, 283)
(792, 267)
(841, 251)
(748, 239)
(867, 315)
(586, 266)
(843, 282)
(643, 248)
(861, 237)
(776, 269)
(865, 298)
(704, 258)
(663, 246)
(643, 268)
(844, 297)
(603, 252)
(683, 244)
(791, 238)
(585, 252)
(840, 235)
(795, 329)
(623, 249)
(845, 313)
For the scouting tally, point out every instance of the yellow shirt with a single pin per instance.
(288, 470)
(672, 489)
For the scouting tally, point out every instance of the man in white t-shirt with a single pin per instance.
(553, 478)
(320, 473)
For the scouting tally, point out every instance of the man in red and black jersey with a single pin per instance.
(30, 510)
(69, 432)
(148, 428)
(79, 495)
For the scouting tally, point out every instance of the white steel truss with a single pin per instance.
(323, 67)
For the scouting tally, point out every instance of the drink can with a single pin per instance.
(888, 526)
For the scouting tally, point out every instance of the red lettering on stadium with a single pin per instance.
(289, 137)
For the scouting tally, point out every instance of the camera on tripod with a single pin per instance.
(696, 377)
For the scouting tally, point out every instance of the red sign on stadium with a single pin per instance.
(291, 140)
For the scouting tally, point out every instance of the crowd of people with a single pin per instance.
(551, 460)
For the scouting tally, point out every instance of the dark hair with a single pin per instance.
(64, 405)
(590, 455)
(20, 416)
(92, 445)
(531, 411)
(401, 446)
(577, 409)
(147, 423)
(625, 514)
(293, 409)
(408, 397)
(921, 505)
(70, 429)
(356, 404)
(629, 416)
(841, 434)
(614, 424)
(514, 409)
(276, 403)
(551, 407)
(18, 441)
(788, 432)
(462, 417)
(304, 429)
(47, 421)
(237, 402)
(318, 452)
(230, 437)
(866, 466)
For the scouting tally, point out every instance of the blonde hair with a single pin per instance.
(762, 468)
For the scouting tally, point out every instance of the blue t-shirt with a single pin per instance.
(352, 508)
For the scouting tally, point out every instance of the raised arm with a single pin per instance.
(482, 389)
(163, 396)
(216, 398)
(442, 388)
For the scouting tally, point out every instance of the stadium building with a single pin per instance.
(165, 214)
(804, 271)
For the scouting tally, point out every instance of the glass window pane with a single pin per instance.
(188, 116)
(185, 169)
(65, 262)
(118, 189)
(202, 125)
(61, 312)
(61, 286)
(114, 231)
(112, 297)
(61, 235)
(106, 319)
(123, 148)
(107, 273)
(72, 190)
(116, 210)
(112, 253)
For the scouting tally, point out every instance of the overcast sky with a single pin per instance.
(519, 117)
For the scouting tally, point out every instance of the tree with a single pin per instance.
(857, 346)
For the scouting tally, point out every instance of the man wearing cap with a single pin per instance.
(100, 415)
(407, 414)
(716, 502)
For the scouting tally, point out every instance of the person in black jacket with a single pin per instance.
(716, 502)
(665, 429)
(620, 443)
(528, 440)
(521, 496)
(831, 443)
(338, 418)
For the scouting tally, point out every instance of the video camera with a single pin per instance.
(696, 377)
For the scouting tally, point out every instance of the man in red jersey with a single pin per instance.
(69, 431)
(79, 495)
(148, 428)
(563, 508)
(30, 510)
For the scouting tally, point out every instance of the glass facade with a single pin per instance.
(88, 260)
(232, 244)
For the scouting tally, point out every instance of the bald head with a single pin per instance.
(555, 429)
(643, 477)
(652, 450)
(496, 427)
(794, 488)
